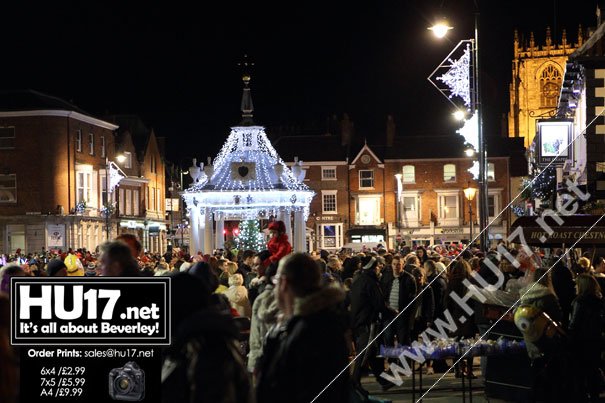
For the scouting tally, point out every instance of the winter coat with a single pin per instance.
(203, 363)
(304, 354)
(367, 300)
(542, 298)
(238, 298)
(407, 287)
(565, 289)
(586, 326)
(264, 315)
(278, 246)
(439, 288)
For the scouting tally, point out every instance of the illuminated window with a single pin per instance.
(91, 144)
(449, 173)
(8, 188)
(83, 187)
(366, 179)
(135, 202)
(103, 152)
(491, 172)
(409, 174)
(128, 160)
(128, 196)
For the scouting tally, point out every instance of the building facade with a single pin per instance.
(52, 174)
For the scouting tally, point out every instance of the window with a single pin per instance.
(103, 179)
(128, 160)
(103, 152)
(328, 201)
(79, 141)
(409, 174)
(7, 137)
(8, 188)
(128, 196)
(330, 236)
(368, 210)
(491, 172)
(121, 201)
(83, 187)
(135, 202)
(328, 173)
(449, 208)
(91, 144)
(366, 179)
(152, 163)
(158, 200)
(410, 206)
(491, 205)
(550, 85)
(449, 173)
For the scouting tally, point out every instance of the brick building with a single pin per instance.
(52, 158)
(142, 194)
(361, 204)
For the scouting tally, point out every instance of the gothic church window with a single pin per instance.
(550, 85)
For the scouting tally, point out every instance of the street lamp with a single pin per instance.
(440, 30)
(469, 193)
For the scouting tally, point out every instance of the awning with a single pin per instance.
(571, 230)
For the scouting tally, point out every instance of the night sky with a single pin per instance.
(175, 64)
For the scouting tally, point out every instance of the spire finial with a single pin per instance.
(246, 107)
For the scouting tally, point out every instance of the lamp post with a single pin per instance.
(469, 193)
(440, 30)
(398, 177)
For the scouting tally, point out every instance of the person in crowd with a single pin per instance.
(564, 288)
(56, 268)
(217, 300)
(237, 295)
(259, 281)
(421, 254)
(586, 332)
(91, 270)
(334, 268)
(599, 271)
(74, 265)
(399, 289)
(583, 265)
(308, 349)
(10, 270)
(245, 266)
(435, 277)
(350, 266)
(117, 261)
(203, 363)
(264, 315)
(9, 359)
(223, 265)
(465, 323)
(367, 304)
(425, 311)
(279, 245)
(136, 248)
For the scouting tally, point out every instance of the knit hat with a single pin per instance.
(54, 266)
(278, 226)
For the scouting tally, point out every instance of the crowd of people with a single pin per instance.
(305, 316)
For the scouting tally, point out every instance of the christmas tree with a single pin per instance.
(249, 236)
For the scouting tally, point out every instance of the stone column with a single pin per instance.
(300, 232)
(208, 241)
(220, 227)
(286, 217)
(194, 231)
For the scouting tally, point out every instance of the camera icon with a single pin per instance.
(127, 383)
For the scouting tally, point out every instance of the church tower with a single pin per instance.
(537, 75)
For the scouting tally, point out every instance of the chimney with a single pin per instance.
(346, 130)
(390, 131)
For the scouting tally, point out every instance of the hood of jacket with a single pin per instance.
(534, 291)
(267, 305)
(326, 297)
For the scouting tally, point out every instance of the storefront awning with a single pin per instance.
(571, 230)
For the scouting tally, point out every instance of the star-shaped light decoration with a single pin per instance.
(457, 78)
